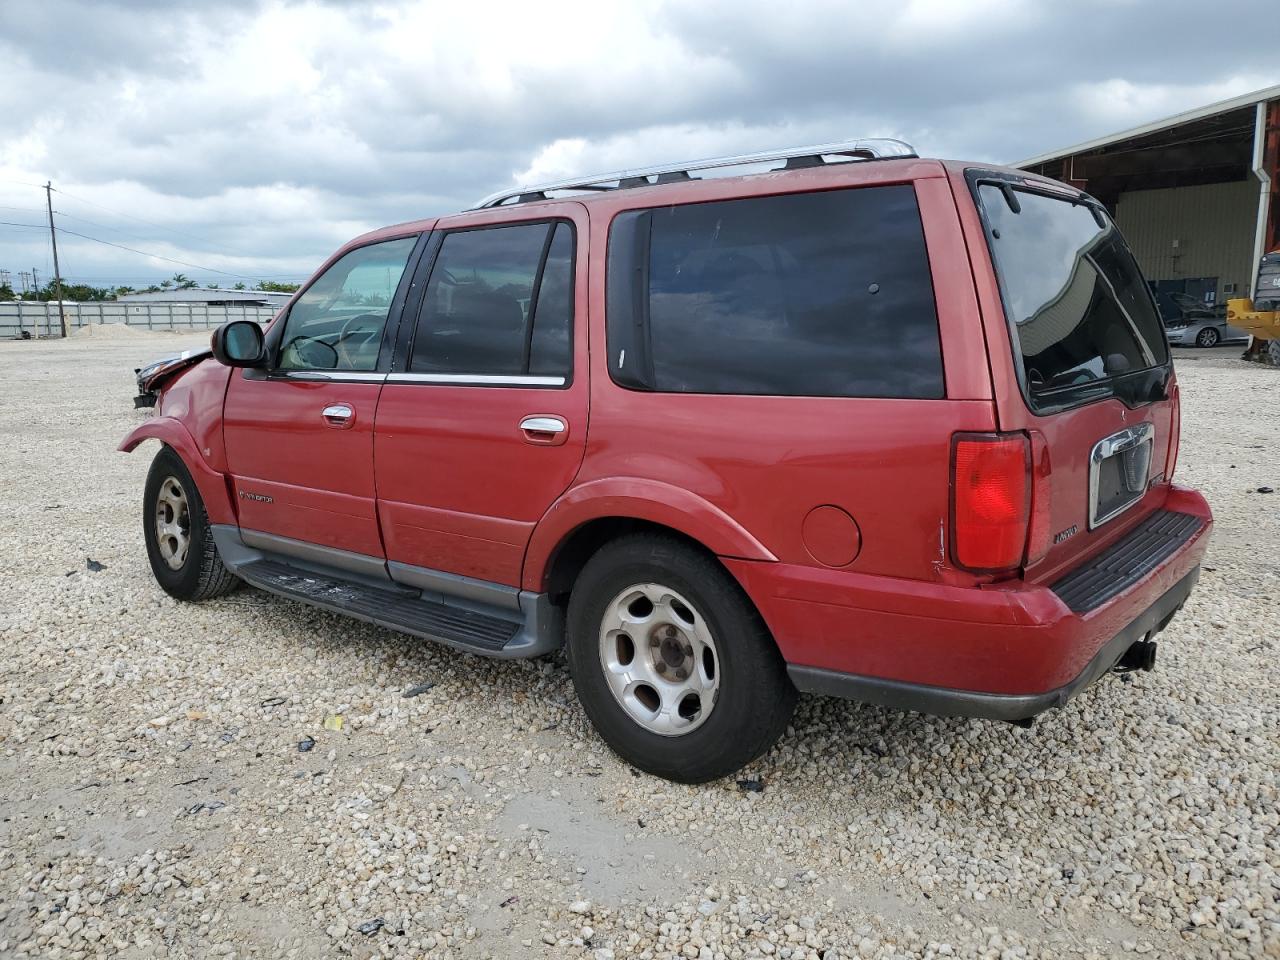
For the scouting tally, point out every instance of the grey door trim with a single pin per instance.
(481, 592)
(455, 585)
(357, 563)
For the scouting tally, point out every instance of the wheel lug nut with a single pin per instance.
(662, 667)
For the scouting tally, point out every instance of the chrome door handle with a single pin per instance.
(543, 425)
(338, 414)
(544, 430)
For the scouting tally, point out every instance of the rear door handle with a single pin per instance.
(545, 430)
(339, 415)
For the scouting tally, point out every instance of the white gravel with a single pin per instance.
(155, 801)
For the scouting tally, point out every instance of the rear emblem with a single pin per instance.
(245, 495)
(1066, 534)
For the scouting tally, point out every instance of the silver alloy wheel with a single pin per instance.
(173, 523)
(659, 659)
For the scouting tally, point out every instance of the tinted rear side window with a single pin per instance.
(814, 294)
(1080, 312)
(499, 302)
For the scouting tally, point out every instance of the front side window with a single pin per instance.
(1079, 311)
(337, 322)
(499, 303)
(808, 294)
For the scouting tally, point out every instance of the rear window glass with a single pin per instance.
(813, 294)
(1079, 309)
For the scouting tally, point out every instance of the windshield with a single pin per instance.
(1079, 310)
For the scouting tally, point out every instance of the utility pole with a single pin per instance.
(26, 279)
(57, 274)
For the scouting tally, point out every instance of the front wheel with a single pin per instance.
(184, 558)
(1208, 337)
(672, 663)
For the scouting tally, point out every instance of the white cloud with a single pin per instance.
(259, 136)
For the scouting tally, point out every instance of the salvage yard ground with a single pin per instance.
(169, 786)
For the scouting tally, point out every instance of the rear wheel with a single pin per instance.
(184, 558)
(672, 663)
(1208, 337)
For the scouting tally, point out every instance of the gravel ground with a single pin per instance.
(169, 785)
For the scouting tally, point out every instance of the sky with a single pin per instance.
(248, 140)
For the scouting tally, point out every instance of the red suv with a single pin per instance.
(861, 424)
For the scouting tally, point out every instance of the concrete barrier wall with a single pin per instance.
(40, 319)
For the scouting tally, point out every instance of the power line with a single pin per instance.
(150, 223)
(104, 226)
(144, 253)
(34, 226)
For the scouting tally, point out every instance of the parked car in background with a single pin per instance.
(1200, 324)
(865, 425)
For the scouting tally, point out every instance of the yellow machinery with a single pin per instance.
(1261, 315)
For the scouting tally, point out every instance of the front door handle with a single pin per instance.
(545, 430)
(339, 415)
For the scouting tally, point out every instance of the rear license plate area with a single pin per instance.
(1119, 472)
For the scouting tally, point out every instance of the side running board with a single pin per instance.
(530, 630)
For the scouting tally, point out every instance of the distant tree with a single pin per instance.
(75, 292)
(6, 292)
(238, 286)
(166, 284)
(124, 291)
(154, 289)
(273, 286)
(183, 282)
(211, 286)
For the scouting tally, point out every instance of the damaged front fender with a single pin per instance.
(153, 376)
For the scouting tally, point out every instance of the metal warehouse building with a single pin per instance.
(1197, 195)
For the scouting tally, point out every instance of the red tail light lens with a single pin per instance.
(990, 501)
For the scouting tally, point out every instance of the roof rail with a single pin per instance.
(796, 157)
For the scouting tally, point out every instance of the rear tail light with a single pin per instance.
(1175, 435)
(990, 500)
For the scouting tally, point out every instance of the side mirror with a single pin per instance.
(239, 344)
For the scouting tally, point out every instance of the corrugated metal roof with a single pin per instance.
(1222, 106)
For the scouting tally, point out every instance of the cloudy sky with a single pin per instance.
(252, 138)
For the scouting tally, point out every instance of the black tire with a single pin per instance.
(755, 698)
(201, 574)
(1208, 337)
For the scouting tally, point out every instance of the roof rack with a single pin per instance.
(796, 158)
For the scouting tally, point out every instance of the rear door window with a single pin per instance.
(1079, 311)
(499, 302)
(811, 294)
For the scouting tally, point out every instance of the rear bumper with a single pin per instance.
(993, 706)
(1006, 651)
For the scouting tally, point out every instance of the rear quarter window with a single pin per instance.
(811, 294)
